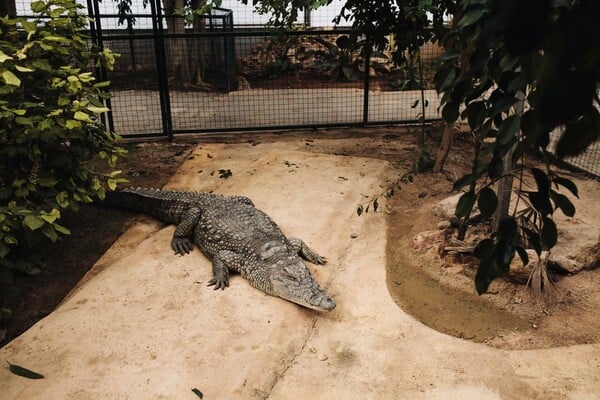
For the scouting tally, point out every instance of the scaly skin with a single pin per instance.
(236, 236)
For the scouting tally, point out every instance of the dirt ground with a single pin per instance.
(438, 292)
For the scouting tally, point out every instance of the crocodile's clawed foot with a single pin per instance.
(319, 260)
(219, 283)
(181, 246)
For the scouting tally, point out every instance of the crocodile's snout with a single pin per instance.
(327, 303)
(295, 283)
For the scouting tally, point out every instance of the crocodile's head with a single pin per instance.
(294, 282)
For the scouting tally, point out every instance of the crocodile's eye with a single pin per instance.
(296, 272)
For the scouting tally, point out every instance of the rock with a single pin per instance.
(446, 207)
(444, 225)
(427, 240)
(578, 246)
(323, 357)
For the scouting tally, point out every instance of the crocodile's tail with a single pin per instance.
(168, 206)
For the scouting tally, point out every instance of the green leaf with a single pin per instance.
(471, 17)
(563, 202)
(507, 230)
(24, 121)
(541, 202)
(541, 179)
(50, 233)
(476, 113)
(523, 255)
(508, 129)
(567, 183)
(72, 124)
(10, 78)
(444, 78)
(24, 372)
(4, 57)
(3, 251)
(534, 240)
(97, 110)
(359, 210)
(484, 249)
(61, 229)
(33, 222)
(465, 204)
(487, 202)
(29, 26)
(532, 127)
(495, 168)
(504, 252)
(450, 112)
(494, 262)
(549, 233)
(102, 84)
(463, 181)
(51, 216)
(487, 271)
(23, 69)
(62, 199)
(8, 239)
(197, 393)
(450, 54)
(579, 134)
(38, 6)
(81, 116)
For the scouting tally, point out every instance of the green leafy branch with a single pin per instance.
(51, 135)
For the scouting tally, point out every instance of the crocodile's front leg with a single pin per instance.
(181, 242)
(222, 263)
(298, 246)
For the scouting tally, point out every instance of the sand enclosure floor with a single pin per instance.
(145, 326)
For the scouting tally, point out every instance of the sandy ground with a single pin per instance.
(144, 325)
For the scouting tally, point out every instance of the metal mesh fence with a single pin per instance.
(588, 161)
(224, 71)
(204, 74)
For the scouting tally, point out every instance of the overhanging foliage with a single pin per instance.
(50, 131)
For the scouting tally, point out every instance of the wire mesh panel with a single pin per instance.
(588, 161)
(225, 71)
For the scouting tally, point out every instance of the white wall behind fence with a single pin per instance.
(242, 14)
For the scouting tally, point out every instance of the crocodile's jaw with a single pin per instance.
(295, 283)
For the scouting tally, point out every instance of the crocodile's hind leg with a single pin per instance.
(181, 243)
(302, 249)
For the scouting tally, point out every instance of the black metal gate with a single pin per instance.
(285, 90)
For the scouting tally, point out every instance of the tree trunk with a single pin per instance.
(505, 183)
(198, 49)
(504, 189)
(177, 51)
(8, 7)
(444, 149)
(307, 18)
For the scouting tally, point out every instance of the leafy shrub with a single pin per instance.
(343, 59)
(50, 131)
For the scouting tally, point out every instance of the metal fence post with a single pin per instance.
(367, 79)
(100, 72)
(161, 67)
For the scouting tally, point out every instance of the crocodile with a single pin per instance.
(235, 236)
